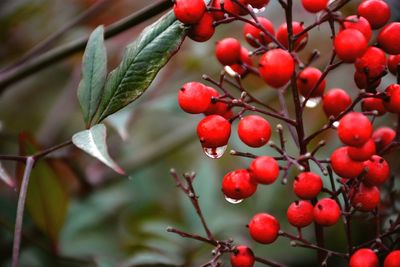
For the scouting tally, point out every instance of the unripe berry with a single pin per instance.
(383, 136)
(242, 256)
(343, 165)
(373, 61)
(214, 131)
(194, 97)
(393, 104)
(227, 51)
(254, 130)
(360, 24)
(282, 36)
(364, 152)
(326, 212)
(300, 213)
(354, 129)
(350, 44)
(389, 38)
(264, 170)
(364, 257)
(264, 228)
(377, 12)
(238, 185)
(373, 104)
(378, 171)
(189, 11)
(314, 6)
(335, 101)
(276, 67)
(365, 82)
(257, 34)
(203, 30)
(239, 68)
(307, 80)
(392, 259)
(257, 3)
(393, 63)
(365, 198)
(307, 185)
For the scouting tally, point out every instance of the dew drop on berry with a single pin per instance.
(233, 201)
(312, 102)
(335, 124)
(214, 152)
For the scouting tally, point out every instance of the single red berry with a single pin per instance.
(365, 198)
(335, 101)
(364, 152)
(218, 15)
(189, 11)
(250, 32)
(227, 51)
(393, 63)
(276, 67)
(360, 24)
(194, 97)
(354, 129)
(307, 185)
(372, 62)
(238, 185)
(264, 228)
(264, 170)
(254, 130)
(343, 165)
(203, 30)
(257, 3)
(365, 82)
(300, 213)
(326, 212)
(377, 171)
(228, 114)
(377, 12)
(364, 257)
(282, 35)
(383, 136)
(242, 256)
(214, 131)
(373, 104)
(215, 108)
(245, 60)
(314, 6)
(235, 8)
(389, 38)
(392, 259)
(307, 81)
(393, 103)
(350, 44)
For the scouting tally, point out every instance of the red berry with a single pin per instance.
(276, 67)
(314, 6)
(362, 153)
(377, 12)
(203, 30)
(360, 24)
(343, 165)
(354, 129)
(238, 185)
(218, 15)
(373, 104)
(234, 8)
(217, 108)
(257, 34)
(254, 131)
(389, 38)
(364, 257)
(363, 82)
(326, 212)
(214, 131)
(189, 11)
(264, 170)
(264, 228)
(307, 185)
(393, 104)
(378, 171)
(227, 51)
(194, 97)
(244, 59)
(307, 80)
(300, 213)
(350, 44)
(335, 102)
(257, 3)
(282, 35)
(366, 198)
(392, 259)
(373, 61)
(242, 256)
(393, 63)
(383, 136)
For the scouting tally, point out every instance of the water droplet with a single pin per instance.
(312, 102)
(233, 201)
(336, 124)
(214, 152)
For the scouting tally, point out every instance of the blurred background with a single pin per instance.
(80, 213)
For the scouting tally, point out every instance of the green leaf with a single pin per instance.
(140, 64)
(93, 142)
(94, 73)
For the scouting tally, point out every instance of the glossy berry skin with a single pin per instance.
(214, 131)
(364, 257)
(393, 104)
(363, 82)
(282, 35)
(335, 101)
(218, 15)
(215, 108)
(314, 6)
(393, 63)
(307, 185)
(344, 166)
(307, 80)
(373, 60)
(326, 212)
(203, 30)
(350, 44)
(392, 259)
(276, 67)
(373, 104)
(189, 11)
(244, 59)
(242, 256)
(257, 34)
(264, 170)
(355, 129)
(300, 213)
(254, 130)
(366, 198)
(238, 184)
(389, 38)
(377, 12)
(378, 171)
(227, 51)
(234, 8)
(194, 97)
(264, 228)
(257, 3)
(360, 24)
(364, 152)
(383, 136)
